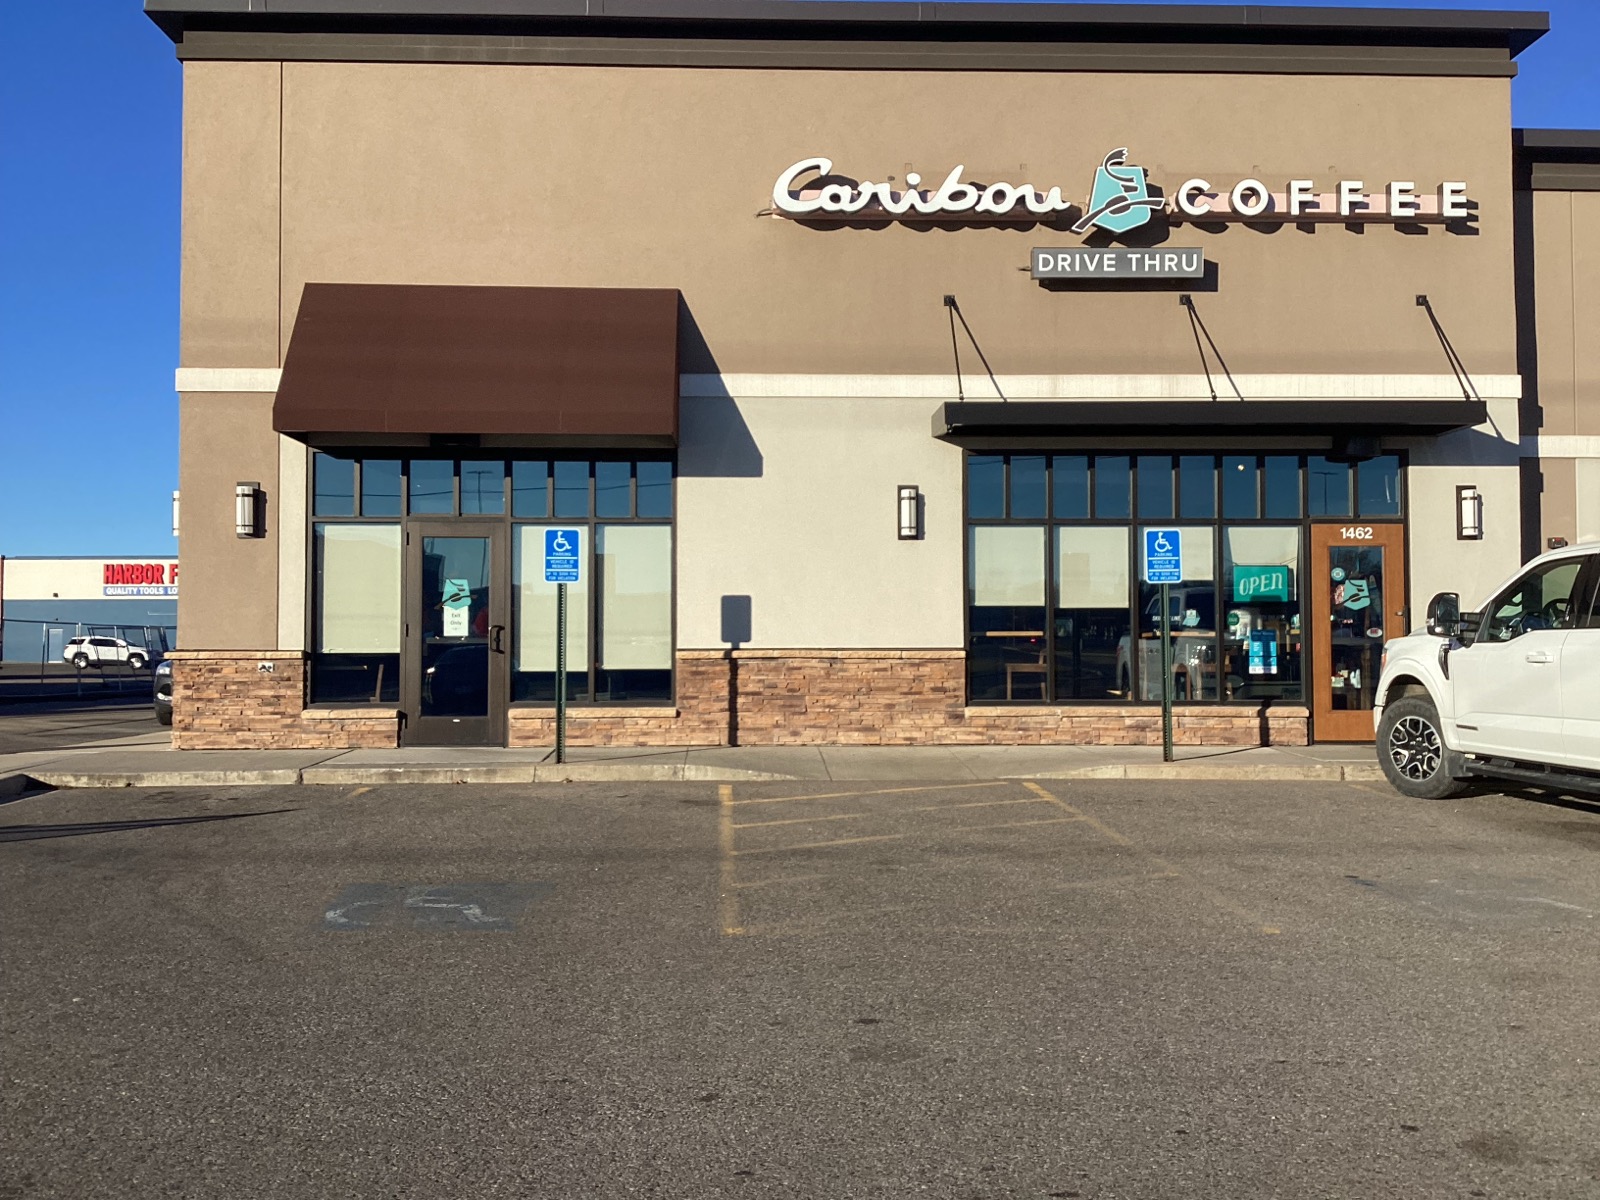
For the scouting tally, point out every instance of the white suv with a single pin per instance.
(1511, 691)
(84, 652)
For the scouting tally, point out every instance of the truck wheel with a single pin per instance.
(1412, 753)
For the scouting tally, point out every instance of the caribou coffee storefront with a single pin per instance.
(860, 345)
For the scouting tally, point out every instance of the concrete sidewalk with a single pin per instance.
(149, 762)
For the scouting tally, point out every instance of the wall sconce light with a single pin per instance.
(1469, 513)
(247, 510)
(910, 512)
(174, 514)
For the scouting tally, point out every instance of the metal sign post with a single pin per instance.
(561, 672)
(1163, 564)
(563, 564)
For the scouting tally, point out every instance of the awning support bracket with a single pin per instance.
(1198, 327)
(955, 314)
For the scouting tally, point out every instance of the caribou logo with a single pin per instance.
(1120, 199)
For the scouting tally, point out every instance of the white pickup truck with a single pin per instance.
(1511, 691)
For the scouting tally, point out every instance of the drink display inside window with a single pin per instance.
(1262, 638)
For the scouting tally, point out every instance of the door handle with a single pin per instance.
(1540, 656)
(494, 638)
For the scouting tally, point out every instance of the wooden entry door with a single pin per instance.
(1357, 597)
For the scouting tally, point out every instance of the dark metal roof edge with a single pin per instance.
(1557, 145)
(1253, 22)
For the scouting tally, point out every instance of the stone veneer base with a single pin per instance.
(226, 700)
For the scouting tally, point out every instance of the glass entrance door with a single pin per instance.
(1357, 598)
(457, 681)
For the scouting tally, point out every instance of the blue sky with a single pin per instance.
(90, 138)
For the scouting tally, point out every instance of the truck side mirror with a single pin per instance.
(1444, 615)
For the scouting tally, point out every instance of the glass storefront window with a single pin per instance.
(356, 624)
(1155, 485)
(433, 483)
(530, 489)
(1239, 492)
(533, 622)
(1027, 486)
(1193, 625)
(633, 573)
(572, 489)
(1090, 622)
(986, 491)
(1282, 486)
(1262, 640)
(1113, 495)
(1069, 486)
(613, 494)
(654, 486)
(333, 486)
(1328, 488)
(1197, 486)
(483, 488)
(1006, 652)
(380, 487)
(1378, 487)
(1238, 628)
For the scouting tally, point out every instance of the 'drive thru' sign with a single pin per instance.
(1089, 262)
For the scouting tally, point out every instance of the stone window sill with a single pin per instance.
(354, 712)
(585, 712)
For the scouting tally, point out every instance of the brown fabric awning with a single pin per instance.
(561, 365)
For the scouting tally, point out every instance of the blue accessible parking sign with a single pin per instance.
(1163, 556)
(562, 554)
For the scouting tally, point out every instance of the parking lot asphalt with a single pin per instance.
(56, 725)
(991, 989)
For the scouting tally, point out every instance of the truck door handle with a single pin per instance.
(494, 638)
(1540, 656)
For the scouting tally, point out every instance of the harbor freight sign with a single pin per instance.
(1086, 262)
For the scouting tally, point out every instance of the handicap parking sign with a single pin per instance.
(562, 555)
(1163, 556)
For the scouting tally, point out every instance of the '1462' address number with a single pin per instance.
(1359, 533)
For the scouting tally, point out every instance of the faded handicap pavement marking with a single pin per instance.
(430, 907)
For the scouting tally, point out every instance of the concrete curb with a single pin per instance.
(11, 785)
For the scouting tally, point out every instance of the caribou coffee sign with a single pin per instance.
(1119, 200)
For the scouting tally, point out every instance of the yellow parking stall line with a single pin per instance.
(946, 787)
(358, 791)
(777, 879)
(728, 896)
(1020, 824)
(799, 820)
(972, 804)
(1167, 868)
(882, 837)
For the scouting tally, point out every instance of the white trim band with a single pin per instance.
(1099, 387)
(227, 379)
(1555, 445)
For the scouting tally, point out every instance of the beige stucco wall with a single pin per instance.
(586, 176)
(792, 502)
(231, 128)
(229, 597)
(609, 176)
(1487, 457)
(1566, 233)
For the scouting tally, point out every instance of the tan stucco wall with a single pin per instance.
(1566, 239)
(231, 127)
(229, 596)
(775, 503)
(608, 176)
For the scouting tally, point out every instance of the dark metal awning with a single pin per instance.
(1322, 418)
(553, 366)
